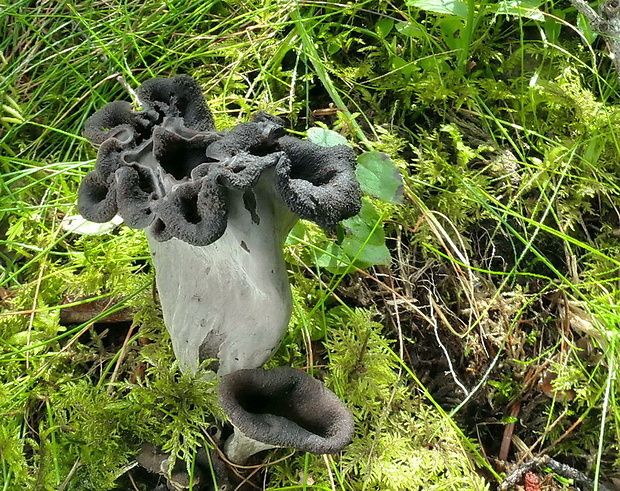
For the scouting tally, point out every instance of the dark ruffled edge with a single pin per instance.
(319, 183)
(286, 407)
(167, 168)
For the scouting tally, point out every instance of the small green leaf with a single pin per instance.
(553, 25)
(522, 8)
(333, 258)
(326, 138)
(409, 30)
(364, 240)
(372, 255)
(297, 233)
(384, 26)
(379, 177)
(405, 67)
(586, 29)
(454, 7)
(451, 28)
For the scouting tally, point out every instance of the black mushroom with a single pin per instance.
(217, 207)
(282, 407)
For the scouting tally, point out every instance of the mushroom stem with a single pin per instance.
(239, 448)
(207, 292)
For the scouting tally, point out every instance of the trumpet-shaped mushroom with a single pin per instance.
(282, 407)
(217, 207)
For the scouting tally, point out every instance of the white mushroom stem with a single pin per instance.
(239, 447)
(231, 299)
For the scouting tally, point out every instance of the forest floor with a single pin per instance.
(473, 330)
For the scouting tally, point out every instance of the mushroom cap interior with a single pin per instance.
(286, 407)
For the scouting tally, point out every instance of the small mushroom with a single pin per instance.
(208, 469)
(217, 207)
(282, 407)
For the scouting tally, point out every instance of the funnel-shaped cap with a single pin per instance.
(285, 407)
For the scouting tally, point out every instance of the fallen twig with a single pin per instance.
(508, 431)
(563, 470)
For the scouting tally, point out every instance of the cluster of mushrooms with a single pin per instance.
(217, 207)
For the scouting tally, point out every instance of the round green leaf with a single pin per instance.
(326, 138)
(454, 7)
(384, 26)
(379, 177)
(364, 238)
(409, 30)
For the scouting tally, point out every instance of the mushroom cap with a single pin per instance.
(286, 407)
(178, 96)
(318, 183)
(167, 168)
